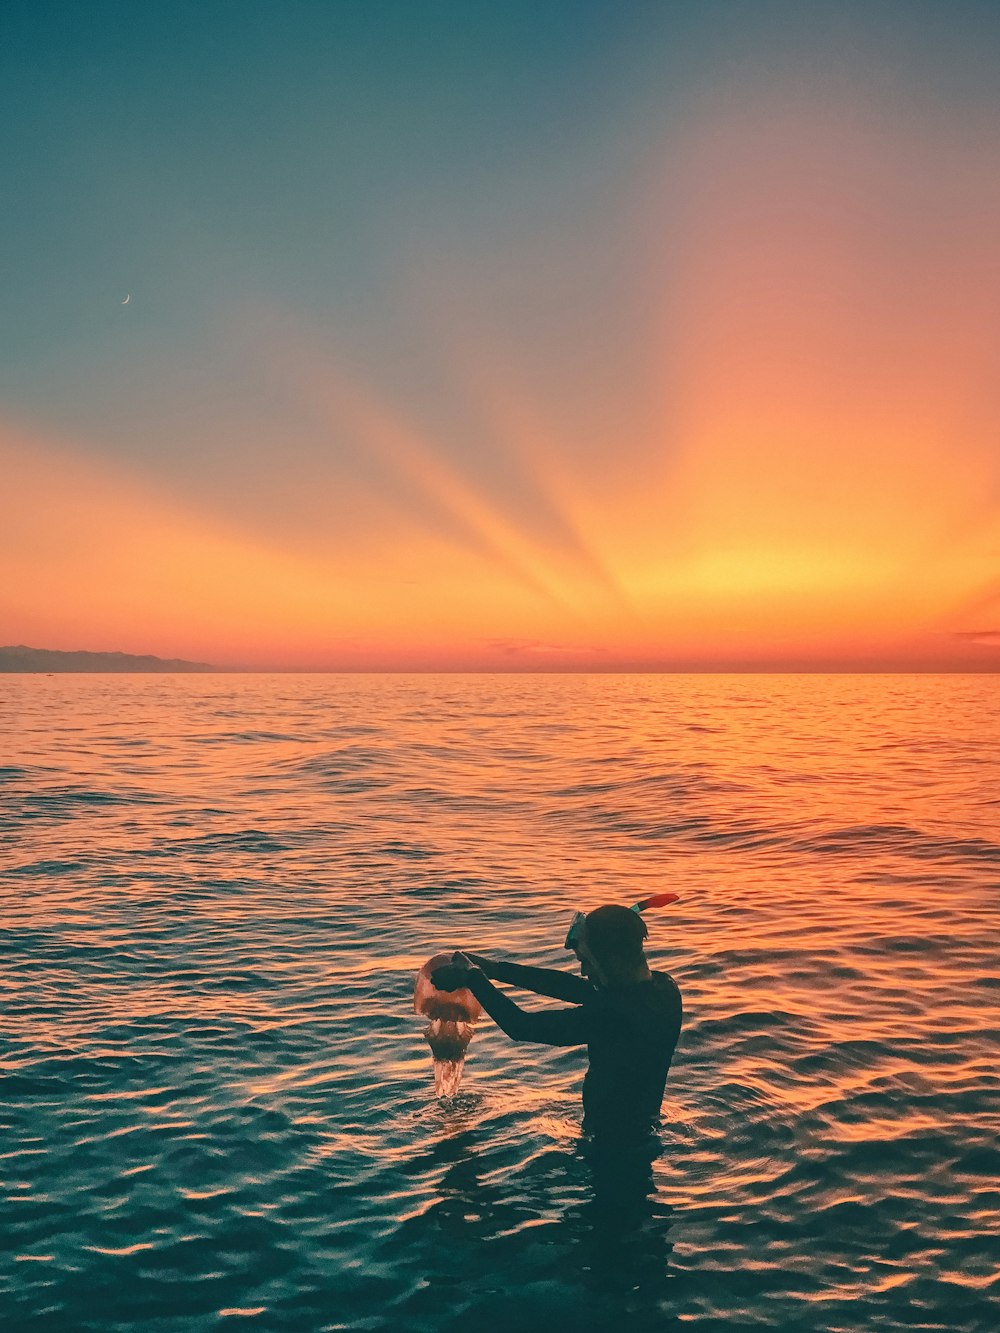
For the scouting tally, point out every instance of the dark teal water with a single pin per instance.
(216, 1105)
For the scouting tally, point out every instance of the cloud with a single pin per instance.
(537, 647)
(988, 638)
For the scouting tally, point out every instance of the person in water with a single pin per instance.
(627, 1016)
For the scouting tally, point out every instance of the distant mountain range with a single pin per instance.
(22, 658)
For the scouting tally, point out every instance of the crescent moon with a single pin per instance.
(127, 299)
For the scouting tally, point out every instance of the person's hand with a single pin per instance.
(453, 975)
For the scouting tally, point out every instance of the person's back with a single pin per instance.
(633, 1031)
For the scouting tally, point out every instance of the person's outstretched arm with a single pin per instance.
(542, 980)
(552, 1027)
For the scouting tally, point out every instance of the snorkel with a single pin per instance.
(575, 932)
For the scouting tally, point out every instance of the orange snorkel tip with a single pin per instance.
(657, 900)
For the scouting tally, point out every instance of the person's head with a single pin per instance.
(611, 945)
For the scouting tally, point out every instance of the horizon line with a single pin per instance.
(718, 670)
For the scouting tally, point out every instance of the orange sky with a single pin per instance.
(774, 444)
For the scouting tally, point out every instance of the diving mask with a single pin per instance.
(575, 931)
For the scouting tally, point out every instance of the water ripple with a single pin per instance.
(216, 1103)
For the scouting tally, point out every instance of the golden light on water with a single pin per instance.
(243, 874)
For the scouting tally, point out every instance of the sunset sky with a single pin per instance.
(465, 334)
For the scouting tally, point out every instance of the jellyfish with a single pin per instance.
(451, 1015)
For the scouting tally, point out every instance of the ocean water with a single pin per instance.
(216, 1105)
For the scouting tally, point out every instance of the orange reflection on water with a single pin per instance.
(295, 847)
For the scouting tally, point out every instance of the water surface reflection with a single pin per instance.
(574, 1237)
(216, 1102)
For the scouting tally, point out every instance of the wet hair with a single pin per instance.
(614, 935)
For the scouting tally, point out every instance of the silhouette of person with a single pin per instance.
(627, 1016)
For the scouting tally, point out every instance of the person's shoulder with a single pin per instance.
(665, 984)
(663, 979)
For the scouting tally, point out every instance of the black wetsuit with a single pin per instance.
(630, 1033)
